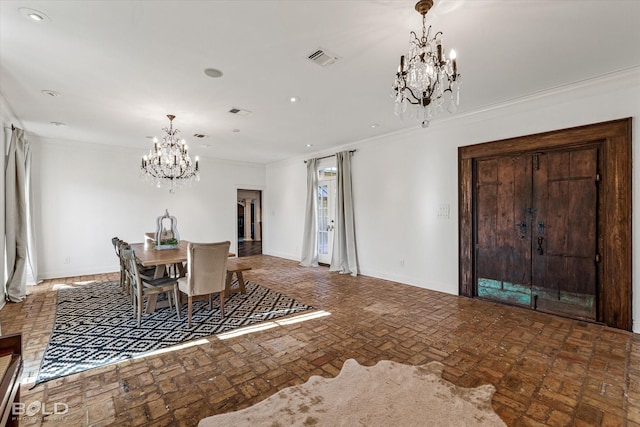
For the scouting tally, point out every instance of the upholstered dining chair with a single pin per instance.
(206, 273)
(141, 287)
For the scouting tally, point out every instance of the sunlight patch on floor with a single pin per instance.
(272, 324)
(172, 348)
(57, 286)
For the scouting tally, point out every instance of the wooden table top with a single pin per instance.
(148, 256)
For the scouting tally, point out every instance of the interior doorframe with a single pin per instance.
(614, 210)
(263, 216)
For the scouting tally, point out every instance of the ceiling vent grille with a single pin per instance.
(322, 57)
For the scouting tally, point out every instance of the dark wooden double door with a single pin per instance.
(572, 188)
(537, 230)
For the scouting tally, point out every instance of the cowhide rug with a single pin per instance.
(387, 394)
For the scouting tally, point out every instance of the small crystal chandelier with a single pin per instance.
(427, 82)
(168, 164)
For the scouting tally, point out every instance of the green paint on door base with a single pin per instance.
(513, 293)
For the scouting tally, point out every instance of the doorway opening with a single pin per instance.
(327, 174)
(249, 222)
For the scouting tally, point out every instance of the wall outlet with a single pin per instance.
(67, 260)
(444, 210)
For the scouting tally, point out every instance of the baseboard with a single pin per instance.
(56, 274)
(281, 255)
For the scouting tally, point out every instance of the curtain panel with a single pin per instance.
(344, 257)
(309, 256)
(16, 216)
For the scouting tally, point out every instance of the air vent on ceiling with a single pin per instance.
(322, 57)
(199, 135)
(239, 112)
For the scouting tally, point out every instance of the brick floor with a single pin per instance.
(548, 370)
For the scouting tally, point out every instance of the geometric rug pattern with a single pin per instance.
(94, 325)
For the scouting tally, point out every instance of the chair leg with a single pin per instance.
(222, 303)
(189, 310)
(134, 306)
(139, 311)
(176, 296)
(210, 302)
(169, 299)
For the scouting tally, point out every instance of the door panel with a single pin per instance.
(564, 274)
(503, 249)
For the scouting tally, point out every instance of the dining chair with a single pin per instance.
(141, 286)
(117, 245)
(206, 273)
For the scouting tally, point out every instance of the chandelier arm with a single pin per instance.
(413, 95)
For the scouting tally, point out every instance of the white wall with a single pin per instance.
(85, 194)
(401, 180)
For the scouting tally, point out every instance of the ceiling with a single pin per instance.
(121, 66)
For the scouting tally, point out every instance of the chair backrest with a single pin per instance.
(131, 268)
(115, 242)
(207, 267)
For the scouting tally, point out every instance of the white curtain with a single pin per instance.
(309, 257)
(344, 258)
(16, 215)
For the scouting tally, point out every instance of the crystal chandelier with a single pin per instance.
(168, 163)
(427, 82)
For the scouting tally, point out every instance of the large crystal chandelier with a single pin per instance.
(427, 82)
(168, 163)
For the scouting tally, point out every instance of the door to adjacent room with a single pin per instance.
(326, 209)
(545, 222)
(249, 222)
(536, 243)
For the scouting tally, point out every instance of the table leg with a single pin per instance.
(159, 271)
(241, 282)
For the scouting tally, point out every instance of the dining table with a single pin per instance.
(163, 260)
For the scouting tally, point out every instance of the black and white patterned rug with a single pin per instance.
(95, 326)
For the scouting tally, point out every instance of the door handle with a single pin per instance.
(540, 240)
(541, 228)
(523, 230)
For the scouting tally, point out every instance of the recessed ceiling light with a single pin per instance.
(213, 72)
(51, 93)
(59, 124)
(374, 125)
(293, 99)
(33, 15)
(235, 130)
(309, 145)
